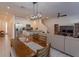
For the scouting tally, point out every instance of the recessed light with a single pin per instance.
(8, 7)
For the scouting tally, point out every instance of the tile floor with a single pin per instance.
(55, 53)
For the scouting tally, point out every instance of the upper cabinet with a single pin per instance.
(76, 30)
(56, 29)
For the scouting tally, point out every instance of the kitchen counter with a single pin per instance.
(66, 35)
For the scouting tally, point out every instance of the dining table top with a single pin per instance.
(28, 48)
(22, 50)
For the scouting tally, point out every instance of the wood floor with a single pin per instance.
(4, 46)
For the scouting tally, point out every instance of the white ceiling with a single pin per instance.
(49, 9)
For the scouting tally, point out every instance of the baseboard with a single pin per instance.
(62, 52)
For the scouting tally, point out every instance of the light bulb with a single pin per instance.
(8, 7)
(39, 15)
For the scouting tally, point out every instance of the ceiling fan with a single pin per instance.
(61, 15)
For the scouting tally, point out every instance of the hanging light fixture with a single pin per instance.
(36, 15)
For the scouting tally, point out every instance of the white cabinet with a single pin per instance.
(49, 38)
(67, 44)
(74, 47)
(52, 41)
(58, 42)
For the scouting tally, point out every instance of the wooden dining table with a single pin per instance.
(27, 48)
(21, 50)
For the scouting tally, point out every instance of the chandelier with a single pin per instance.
(36, 15)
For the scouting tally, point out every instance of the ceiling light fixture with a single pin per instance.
(36, 15)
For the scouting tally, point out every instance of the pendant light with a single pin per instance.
(36, 14)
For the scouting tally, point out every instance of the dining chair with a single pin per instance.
(44, 52)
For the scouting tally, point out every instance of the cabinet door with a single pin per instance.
(52, 41)
(58, 42)
(74, 47)
(67, 45)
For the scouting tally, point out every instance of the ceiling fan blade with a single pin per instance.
(63, 15)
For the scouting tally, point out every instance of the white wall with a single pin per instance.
(38, 24)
